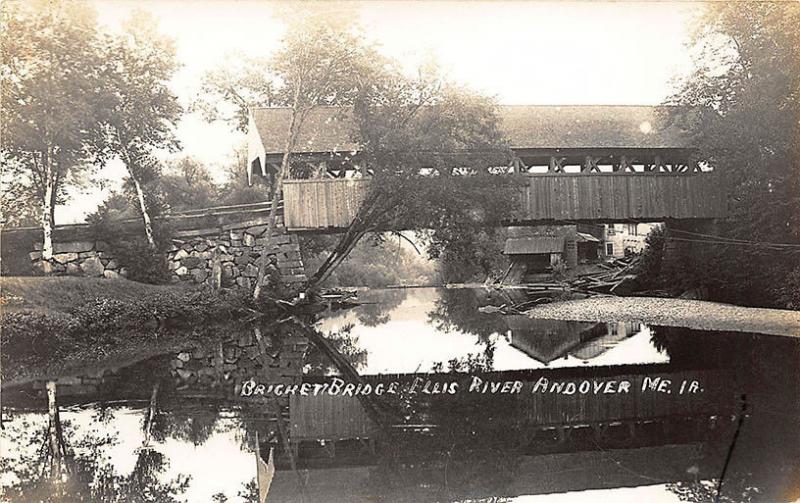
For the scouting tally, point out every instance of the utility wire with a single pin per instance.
(734, 240)
(763, 245)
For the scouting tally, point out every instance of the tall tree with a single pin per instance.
(321, 62)
(145, 109)
(18, 203)
(185, 183)
(433, 151)
(53, 78)
(748, 71)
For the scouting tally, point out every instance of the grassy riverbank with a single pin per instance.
(51, 321)
(108, 302)
(67, 294)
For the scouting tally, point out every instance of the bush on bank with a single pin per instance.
(133, 252)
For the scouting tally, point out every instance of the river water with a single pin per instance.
(415, 395)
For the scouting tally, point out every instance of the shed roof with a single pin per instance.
(330, 129)
(534, 245)
(585, 237)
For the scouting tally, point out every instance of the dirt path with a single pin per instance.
(695, 314)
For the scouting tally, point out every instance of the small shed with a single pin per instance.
(534, 253)
(588, 246)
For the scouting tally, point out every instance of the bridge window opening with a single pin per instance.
(538, 169)
(534, 164)
(704, 166)
(500, 170)
(255, 167)
(605, 164)
(340, 167)
(301, 169)
(673, 167)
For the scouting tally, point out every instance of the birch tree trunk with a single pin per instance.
(47, 210)
(148, 225)
(129, 165)
(151, 414)
(277, 188)
(56, 460)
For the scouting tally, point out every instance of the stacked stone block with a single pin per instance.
(225, 256)
(226, 364)
(231, 257)
(78, 258)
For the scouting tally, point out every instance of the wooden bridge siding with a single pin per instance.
(328, 417)
(624, 197)
(339, 417)
(320, 204)
(555, 408)
(333, 203)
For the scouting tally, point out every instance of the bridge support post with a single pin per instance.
(571, 248)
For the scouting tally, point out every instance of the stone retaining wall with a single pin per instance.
(237, 358)
(78, 258)
(230, 257)
(215, 369)
(224, 253)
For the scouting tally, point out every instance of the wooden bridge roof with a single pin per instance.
(330, 129)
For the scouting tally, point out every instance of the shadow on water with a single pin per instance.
(414, 396)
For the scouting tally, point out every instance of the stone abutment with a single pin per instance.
(215, 246)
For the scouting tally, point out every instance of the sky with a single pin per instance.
(565, 53)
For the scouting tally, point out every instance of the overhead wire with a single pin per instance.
(722, 240)
(734, 240)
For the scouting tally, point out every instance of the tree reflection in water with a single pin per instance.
(344, 342)
(464, 447)
(377, 305)
(457, 309)
(80, 470)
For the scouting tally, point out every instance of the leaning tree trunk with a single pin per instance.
(148, 225)
(277, 187)
(371, 215)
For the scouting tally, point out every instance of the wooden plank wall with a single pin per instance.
(323, 203)
(629, 196)
(541, 409)
(338, 417)
(604, 197)
(328, 417)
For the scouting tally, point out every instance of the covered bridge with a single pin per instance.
(582, 163)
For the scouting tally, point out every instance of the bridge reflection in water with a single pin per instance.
(467, 446)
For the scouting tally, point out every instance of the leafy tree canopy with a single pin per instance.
(748, 72)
